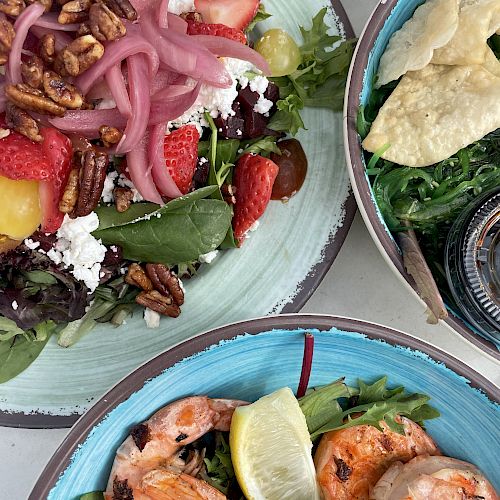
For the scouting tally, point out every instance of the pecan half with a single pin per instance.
(70, 195)
(84, 29)
(12, 7)
(123, 198)
(47, 48)
(75, 11)
(7, 34)
(110, 135)
(46, 3)
(22, 122)
(79, 55)
(31, 99)
(157, 302)
(166, 282)
(105, 24)
(32, 71)
(122, 8)
(92, 176)
(137, 276)
(60, 91)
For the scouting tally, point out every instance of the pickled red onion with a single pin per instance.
(161, 176)
(87, 122)
(177, 23)
(116, 83)
(50, 21)
(62, 39)
(163, 17)
(22, 25)
(140, 173)
(140, 101)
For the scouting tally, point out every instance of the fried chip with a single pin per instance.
(411, 48)
(435, 112)
(478, 21)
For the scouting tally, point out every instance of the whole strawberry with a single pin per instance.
(197, 28)
(181, 156)
(254, 177)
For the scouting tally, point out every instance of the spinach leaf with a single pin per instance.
(17, 354)
(261, 146)
(109, 216)
(180, 231)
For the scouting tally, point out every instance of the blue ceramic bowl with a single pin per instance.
(387, 18)
(247, 360)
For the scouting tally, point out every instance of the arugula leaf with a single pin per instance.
(372, 393)
(320, 79)
(17, 354)
(220, 472)
(261, 146)
(320, 405)
(261, 15)
(180, 231)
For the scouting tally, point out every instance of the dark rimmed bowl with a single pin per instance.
(249, 359)
(387, 18)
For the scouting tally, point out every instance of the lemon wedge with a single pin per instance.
(271, 449)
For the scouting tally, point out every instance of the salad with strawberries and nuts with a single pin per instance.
(138, 139)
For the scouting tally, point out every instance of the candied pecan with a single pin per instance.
(84, 29)
(105, 24)
(12, 7)
(192, 16)
(70, 195)
(7, 34)
(46, 3)
(123, 198)
(122, 8)
(137, 276)
(47, 48)
(20, 121)
(75, 11)
(79, 55)
(31, 99)
(32, 71)
(155, 301)
(92, 176)
(60, 91)
(166, 282)
(110, 135)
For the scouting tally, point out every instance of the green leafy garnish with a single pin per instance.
(261, 15)
(320, 79)
(220, 472)
(180, 231)
(262, 146)
(94, 495)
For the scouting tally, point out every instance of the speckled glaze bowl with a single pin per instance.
(387, 18)
(249, 359)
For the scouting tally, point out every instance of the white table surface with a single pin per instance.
(359, 284)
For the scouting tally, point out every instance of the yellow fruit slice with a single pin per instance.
(20, 213)
(271, 449)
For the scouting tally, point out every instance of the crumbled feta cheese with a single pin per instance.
(126, 182)
(4, 132)
(15, 305)
(263, 105)
(106, 104)
(209, 257)
(203, 160)
(181, 6)
(152, 318)
(239, 132)
(77, 247)
(109, 186)
(181, 284)
(259, 84)
(32, 245)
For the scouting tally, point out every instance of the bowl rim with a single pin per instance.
(135, 381)
(361, 186)
(305, 288)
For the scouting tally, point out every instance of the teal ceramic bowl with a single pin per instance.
(387, 18)
(249, 359)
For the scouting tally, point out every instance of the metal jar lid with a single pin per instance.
(472, 259)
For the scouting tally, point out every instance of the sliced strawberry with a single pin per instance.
(21, 158)
(59, 152)
(253, 181)
(181, 156)
(195, 28)
(233, 13)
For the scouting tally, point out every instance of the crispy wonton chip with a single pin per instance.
(435, 112)
(432, 26)
(478, 21)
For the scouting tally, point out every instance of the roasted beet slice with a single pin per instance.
(255, 125)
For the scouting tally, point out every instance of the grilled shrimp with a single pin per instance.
(151, 457)
(349, 462)
(433, 478)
